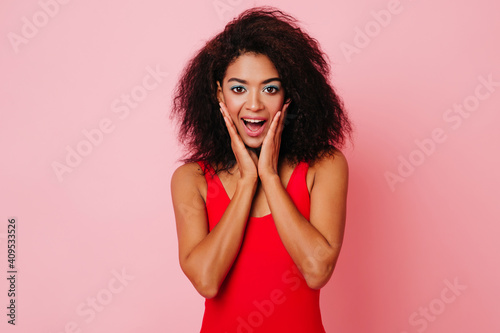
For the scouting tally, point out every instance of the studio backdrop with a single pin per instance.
(87, 234)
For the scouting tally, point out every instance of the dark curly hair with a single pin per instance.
(316, 121)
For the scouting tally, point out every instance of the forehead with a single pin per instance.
(251, 67)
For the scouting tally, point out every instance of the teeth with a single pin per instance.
(253, 120)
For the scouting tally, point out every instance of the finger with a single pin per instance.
(227, 119)
(223, 110)
(278, 131)
(223, 107)
(272, 130)
(276, 122)
(231, 127)
(282, 118)
(233, 134)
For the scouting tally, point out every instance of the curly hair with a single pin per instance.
(316, 121)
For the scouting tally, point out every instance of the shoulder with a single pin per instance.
(187, 170)
(188, 176)
(332, 166)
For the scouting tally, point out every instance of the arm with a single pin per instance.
(206, 257)
(313, 245)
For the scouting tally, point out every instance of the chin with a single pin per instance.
(253, 144)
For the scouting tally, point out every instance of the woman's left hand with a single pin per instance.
(269, 153)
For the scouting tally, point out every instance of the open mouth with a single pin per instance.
(254, 125)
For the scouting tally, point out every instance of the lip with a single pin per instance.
(255, 118)
(250, 133)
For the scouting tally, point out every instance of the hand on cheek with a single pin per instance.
(246, 160)
(269, 154)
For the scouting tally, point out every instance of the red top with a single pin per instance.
(263, 292)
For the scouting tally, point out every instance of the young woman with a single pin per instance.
(260, 201)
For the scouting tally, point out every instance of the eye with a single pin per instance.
(238, 89)
(271, 89)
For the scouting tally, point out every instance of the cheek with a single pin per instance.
(233, 108)
(233, 104)
(275, 105)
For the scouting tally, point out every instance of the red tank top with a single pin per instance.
(263, 292)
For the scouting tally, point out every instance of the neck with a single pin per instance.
(255, 150)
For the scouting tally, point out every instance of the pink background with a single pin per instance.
(400, 67)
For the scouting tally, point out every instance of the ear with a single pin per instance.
(220, 95)
(287, 102)
(288, 99)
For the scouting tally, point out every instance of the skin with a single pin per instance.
(257, 187)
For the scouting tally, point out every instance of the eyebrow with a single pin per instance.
(263, 82)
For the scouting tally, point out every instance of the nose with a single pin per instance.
(254, 102)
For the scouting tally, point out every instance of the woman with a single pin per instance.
(260, 202)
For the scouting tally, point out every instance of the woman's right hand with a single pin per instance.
(247, 159)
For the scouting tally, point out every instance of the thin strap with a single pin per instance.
(299, 169)
(215, 177)
(202, 166)
(206, 168)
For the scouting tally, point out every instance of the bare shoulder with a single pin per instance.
(330, 167)
(334, 160)
(188, 177)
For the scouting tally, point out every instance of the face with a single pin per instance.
(253, 93)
